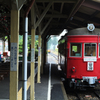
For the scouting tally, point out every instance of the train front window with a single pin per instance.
(75, 49)
(90, 49)
(99, 49)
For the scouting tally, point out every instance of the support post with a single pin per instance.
(39, 60)
(14, 54)
(8, 43)
(32, 87)
(42, 55)
(44, 52)
(24, 76)
(32, 92)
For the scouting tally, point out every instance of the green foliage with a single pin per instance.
(29, 44)
(53, 41)
(20, 44)
(74, 48)
(6, 38)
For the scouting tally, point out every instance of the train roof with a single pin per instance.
(84, 31)
(79, 31)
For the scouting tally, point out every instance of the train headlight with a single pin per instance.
(91, 27)
(73, 69)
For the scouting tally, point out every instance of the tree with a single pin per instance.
(52, 42)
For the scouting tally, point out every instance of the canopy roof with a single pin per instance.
(52, 15)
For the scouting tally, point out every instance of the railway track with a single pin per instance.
(55, 56)
(84, 94)
(81, 93)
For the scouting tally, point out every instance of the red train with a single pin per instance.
(79, 56)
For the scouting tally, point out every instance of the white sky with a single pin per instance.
(62, 34)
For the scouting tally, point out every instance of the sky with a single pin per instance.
(62, 34)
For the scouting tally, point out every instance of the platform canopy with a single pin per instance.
(52, 15)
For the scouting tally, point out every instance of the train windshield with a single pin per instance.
(90, 49)
(76, 49)
(99, 50)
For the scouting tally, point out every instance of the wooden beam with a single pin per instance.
(32, 87)
(73, 11)
(46, 26)
(14, 54)
(91, 4)
(42, 57)
(14, 4)
(58, 1)
(50, 10)
(87, 17)
(39, 60)
(47, 30)
(43, 14)
(37, 10)
(56, 16)
(20, 3)
(90, 18)
(17, 4)
(61, 7)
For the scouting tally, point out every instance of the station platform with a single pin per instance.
(50, 88)
(56, 87)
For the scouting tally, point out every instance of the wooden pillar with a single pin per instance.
(14, 54)
(8, 43)
(32, 87)
(44, 52)
(42, 56)
(32, 92)
(39, 60)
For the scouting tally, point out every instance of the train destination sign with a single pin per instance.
(90, 59)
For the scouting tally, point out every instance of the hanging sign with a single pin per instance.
(13, 59)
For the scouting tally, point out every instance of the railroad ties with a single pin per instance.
(86, 94)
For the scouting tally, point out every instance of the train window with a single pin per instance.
(99, 50)
(90, 49)
(76, 49)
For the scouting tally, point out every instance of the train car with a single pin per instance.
(79, 56)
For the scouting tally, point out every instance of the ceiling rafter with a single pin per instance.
(75, 9)
(43, 14)
(92, 4)
(94, 14)
(50, 10)
(58, 1)
(62, 4)
(56, 16)
(88, 17)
